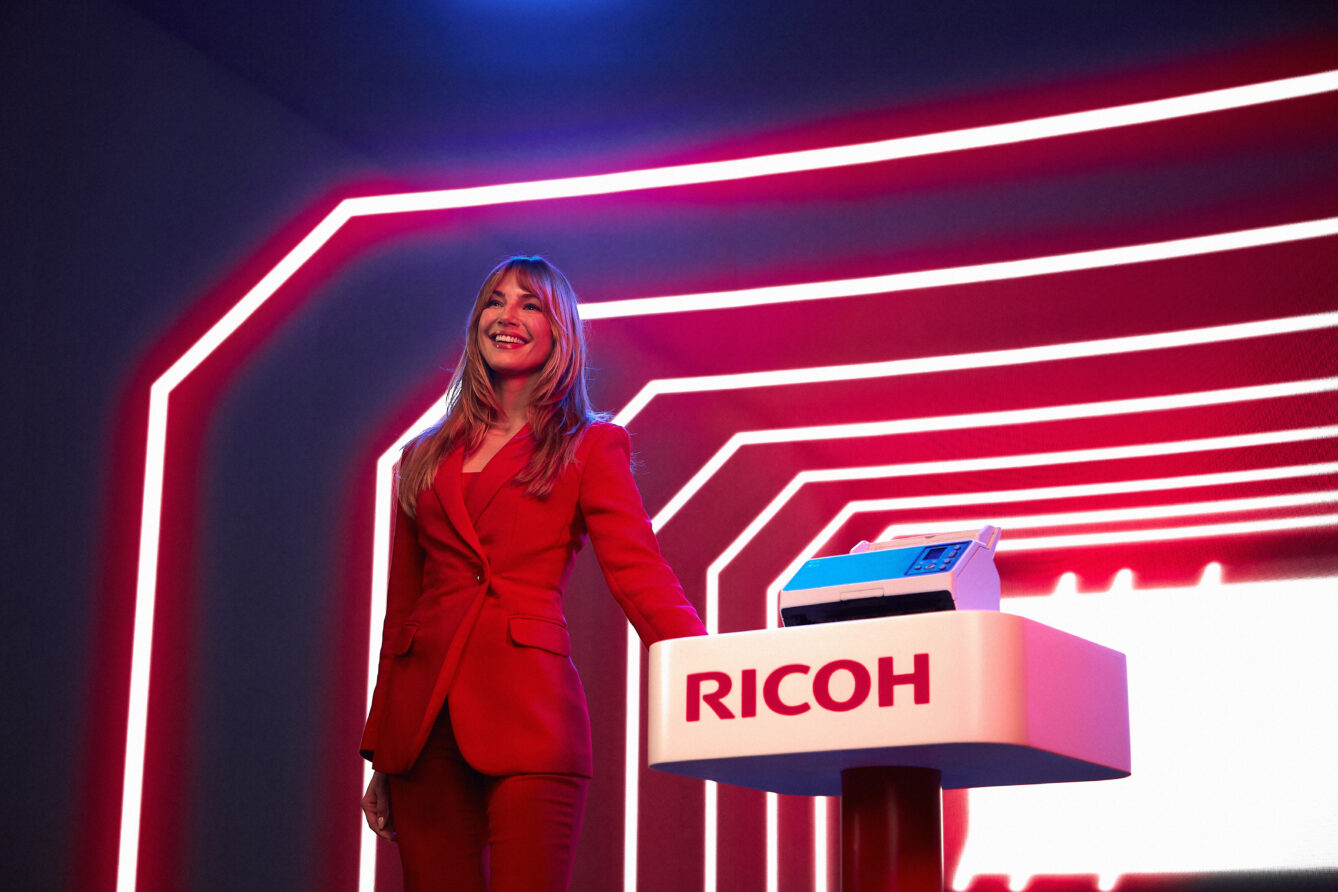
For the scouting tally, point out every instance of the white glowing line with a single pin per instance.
(772, 844)
(710, 864)
(862, 153)
(967, 275)
(367, 839)
(381, 545)
(791, 162)
(1117, 515)
(984, 359)
(631, 757)
(146, 581)
(984, 419)
(820, 843)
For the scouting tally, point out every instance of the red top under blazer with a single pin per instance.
(474, 608)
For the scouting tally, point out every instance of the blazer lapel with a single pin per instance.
(501, 469)
(446, 487)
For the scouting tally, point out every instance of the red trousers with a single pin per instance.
(461, 831)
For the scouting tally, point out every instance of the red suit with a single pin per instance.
(474, 609)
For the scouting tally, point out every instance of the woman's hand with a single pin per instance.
(376, 806)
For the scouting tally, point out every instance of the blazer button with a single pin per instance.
(478, 577)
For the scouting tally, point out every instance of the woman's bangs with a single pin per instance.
(527, 278)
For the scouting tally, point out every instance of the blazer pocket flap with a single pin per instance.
(545, 634)
(402, 639)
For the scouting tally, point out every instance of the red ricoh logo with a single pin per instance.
(712, 688)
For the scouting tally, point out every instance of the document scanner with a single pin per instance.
(905, 574)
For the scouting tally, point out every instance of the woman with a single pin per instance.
(478, 729)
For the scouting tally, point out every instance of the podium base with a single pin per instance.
(891, 830)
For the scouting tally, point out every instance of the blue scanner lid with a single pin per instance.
(851, 569)
(846, 569)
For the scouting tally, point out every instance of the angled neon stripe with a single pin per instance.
(984, 359)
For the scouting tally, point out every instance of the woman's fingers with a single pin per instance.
(376, 807)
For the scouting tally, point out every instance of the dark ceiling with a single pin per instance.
(409, 82)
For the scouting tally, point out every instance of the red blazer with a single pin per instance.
(474, 608)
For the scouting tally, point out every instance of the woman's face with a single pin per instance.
(514, 336)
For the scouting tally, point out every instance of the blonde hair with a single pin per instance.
(559, 409)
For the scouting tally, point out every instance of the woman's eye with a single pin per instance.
(534, 306)
(493, 302)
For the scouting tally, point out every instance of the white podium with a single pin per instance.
(886, 713)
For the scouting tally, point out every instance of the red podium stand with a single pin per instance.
(887, 713)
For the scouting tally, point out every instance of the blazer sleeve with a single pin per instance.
(638, 576)
(402, 590)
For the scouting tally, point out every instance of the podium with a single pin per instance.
(886, 713)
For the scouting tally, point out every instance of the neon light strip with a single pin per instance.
(772, 844)
(381, 545)
(146, 581)
(631, 760)
(862, 153)
(1103, 515)
(1125, 537)
(792, 162)
(820, 843)
(985, 359)
(710, 865)
(985, 419)
(967, 275)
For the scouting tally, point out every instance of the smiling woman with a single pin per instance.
(478, 728)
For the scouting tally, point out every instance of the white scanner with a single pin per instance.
(905, 574)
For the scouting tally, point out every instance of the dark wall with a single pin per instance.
(137, 171)
(150, 148)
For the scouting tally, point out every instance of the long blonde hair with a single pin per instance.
(560, 408)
